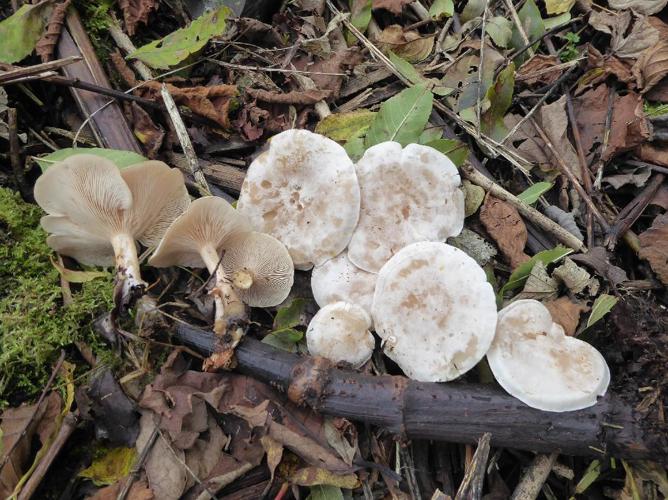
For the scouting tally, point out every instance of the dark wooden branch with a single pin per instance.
(453, 412)
(11, 73)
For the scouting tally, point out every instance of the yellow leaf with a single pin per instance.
(111, 467)
(311, 476)
(558, 6)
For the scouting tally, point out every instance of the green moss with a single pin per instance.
(34, 325)
(95, 18)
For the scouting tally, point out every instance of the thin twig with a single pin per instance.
(124, 43)
(478, 107)
(186, 144)
(245, 67)
(606, 138)
(20, 72)
(534, 477)
(518, 25)
(136, 468)
(526, 47)
(471, 485)
(15, 154)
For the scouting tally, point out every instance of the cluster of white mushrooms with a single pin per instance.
(374, 234)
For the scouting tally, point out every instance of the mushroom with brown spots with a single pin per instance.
(260, 268)
(96, 212)
(303, 191)
(338, 279)
(340, 333)
(434, 310)
(196, 239)
(536, 362)
(407, 195)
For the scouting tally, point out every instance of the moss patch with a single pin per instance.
(34, 325)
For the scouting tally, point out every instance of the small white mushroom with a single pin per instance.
(260, 268)
(536, 362)
(303, 191)
(338, 279)
(340, 332)
(407, 195)
(435, 311)
(96, 212)
(196, 239)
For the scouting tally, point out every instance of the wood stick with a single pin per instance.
(454, 412)
(534, 477)
(21, 72)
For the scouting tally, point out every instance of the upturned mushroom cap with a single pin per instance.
(435, 311)
(89, 201)
(536, 362)
(304, 192)
(407, 195)
(340, 332)
(338, 279)
(209, 221)
(260, 268)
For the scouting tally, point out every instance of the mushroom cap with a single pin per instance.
(435, 311)
(407, 195)
(209, 220)
(340, 332)
(88, 200)
(338, 279)
(303, 191)
(269, 264)
(536, 362)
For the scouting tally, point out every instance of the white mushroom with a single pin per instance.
(407, 195)
(96, 212)
(260, 268)
(338, 279)
(536, 362)
(304, 192)
(340, 332)
(196, 239)
(435, 311)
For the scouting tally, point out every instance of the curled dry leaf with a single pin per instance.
(123, 69)
(408, 45)
(148, 133)
(339, 62)
(629, 43)
(394, 6)
(566, 313)
(598, 259)
(539, 69)
(47, 44)
(135, 12)
(138, 491)
(565, 220)
(299, 97)
(601, 66)
(652, 66)
(646, 7)
(504, 224)
(654, 247)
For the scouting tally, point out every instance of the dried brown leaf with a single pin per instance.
(148, 133)
(566, 313)
(601, 66)
(598, 259)
(135, 12)
(123, 69)
(47, 44)
(298, 97)
(504, 224)
(629, 43)
(394, 6)
(537, 70)
(138, 491)
(646, 7)
(654, 247)
(408, 45)
(655, 153)
(652, 66)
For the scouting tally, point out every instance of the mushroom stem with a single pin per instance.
(228, 305)
(242, 280)
(128, 274)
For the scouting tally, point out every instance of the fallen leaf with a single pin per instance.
(401, 118)
(521, 273)
(324, 492)
(205, 453)
(660, 199)
(500, 97)
(312, 476)
(339, 62)
(558, 6)
(394, 6)
(473, 198)
(506, 227)
(342, 436)
(285, 339)
(475, 246)
(598, 259)
(442, 8)
(110, 467)
(180, 44)
(360, 14)
(533, 26)
(602, 306)
(21, 31)
(77, 276)
(212, 102)
(456, 150)
(299, 97)
(47, 43)
(564, 219)
(121, 65)
(342, 127)
(291, 315)
(539, 284)
(135, 12)
(415, 77)
(148, 133)
(601, 66)
(500, 30)
(274, 451)
(625, 43)
(575, 278)
(408, 45)
(120, 158)
(566, 313)
(636, 176)
(646, 7)
(657, 155)
(536, 70)
(654, 246)
(531, 194)
(138, 491)
(652, 66)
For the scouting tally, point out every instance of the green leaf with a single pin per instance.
(401, 118)
(500, 30)
(591, 474)
(355, 148)
(442, 8)
(553, 22)
(360, 14)
(520, 275)
(430, 134)
(416, 78)
(456, 150)
(534, 192)
(500, 97)
(111, 467)
(20, 32)
(179, 45)
(533, 28)
(322, 492)
(121, 158)
(78, 276)
(290, 316)
(343, 127)
(473, 9)
(602, 306)
(285, 339)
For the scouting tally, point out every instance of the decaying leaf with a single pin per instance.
(539, 284)
(312, 476)
(646, 7)
(575, 278)
(538, 70)
(533, 26)
(558, 6)
(473, 197)
(145, 129)
(408, 45)
(110, 467)
(342, 127)
(637, 176)
(475, 246)
(180, 44)
(138, 491)
(21, 31)
(299, 97)
(625, 42)
(565, 220)
(500, 96)
(500, 30)
(566, 313)
(135, 12)
(504, 224)
(602, 306)
(601, 66)
(47, 43)
(597, 258)
(652, 66)
(442, 8)
(654, 246)
(394, 6)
